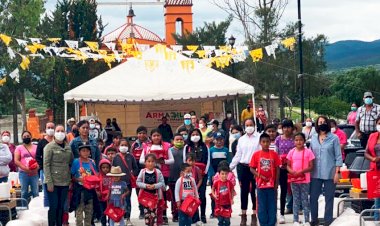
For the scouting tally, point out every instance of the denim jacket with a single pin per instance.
(95, 152)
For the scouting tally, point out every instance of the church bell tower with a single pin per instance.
(178, 19)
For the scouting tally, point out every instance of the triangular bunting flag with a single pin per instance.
(21, 42)
(15, 75)
(72, 44)
(6, 39)
(256, 54)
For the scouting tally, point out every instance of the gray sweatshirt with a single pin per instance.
(189, 188)
(5, 159)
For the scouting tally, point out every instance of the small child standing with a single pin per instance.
(265, 165)
(185, 186)
(152, 181)
(300, 164)
(230, 177)
(118, 191)
(198, 177)
(223, 192)
(103, 191)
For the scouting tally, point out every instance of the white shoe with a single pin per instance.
(128, 223)
(199, 223)
(296, 224)
(282, 219)
(307, 224)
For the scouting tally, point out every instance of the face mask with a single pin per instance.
(324, 127)
(123, 149)
(210, 127)
(201, 126)
(5, 139)
(179, 144)
(353, 108)
(260, 109)
(195, 139)
(185, 136)
(50, 132)
(229, 115)
(236, 136)
(92, 126)
(333, 130)
(188, 175)
(378, 128)
(368, 100)
(26, 140)
(60, 136)
(187, 122)
(97, 126)
(279, 131)
(250, 129)
(309, 124)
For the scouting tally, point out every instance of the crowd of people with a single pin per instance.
(89, 169)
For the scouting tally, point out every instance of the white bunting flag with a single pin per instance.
(11, 53)
(72, 44)
(21, 42)
(15, 75)
(110, 45)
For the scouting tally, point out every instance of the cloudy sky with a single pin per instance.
(337, 19)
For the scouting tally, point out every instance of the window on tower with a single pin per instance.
(179, 27)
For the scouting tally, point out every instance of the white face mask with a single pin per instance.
(60, 136)
(249, 129)
(279, 131)
(92, 126)
(123, 149)
(333, 130)
(50, 132)
(378, 128)
(97, 126)
(6, 139)
(201, 126)
(229, 115)
(195, 139)
(309, 124)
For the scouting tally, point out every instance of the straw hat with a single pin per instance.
(116, 172)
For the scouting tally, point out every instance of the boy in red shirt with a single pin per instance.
(265, 166)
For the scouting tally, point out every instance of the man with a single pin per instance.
(166, 130)
(262, 115)
(215, 129)
(228, 122)
(366, 118)
(49, 137)
(110, 129)
(70, 124)
(114, 123)
(94, 133)
(194, 121)
(246, 114)
(186, 123)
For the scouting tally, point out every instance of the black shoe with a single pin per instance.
(203, 219)
(175, 219)
(165, 218)
(212, 216)
(141, 216)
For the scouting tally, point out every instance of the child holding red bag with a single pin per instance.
(223, 192)
(105, 183)
(185, 186)
(151, 182)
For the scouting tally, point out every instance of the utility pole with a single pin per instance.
(301, 62)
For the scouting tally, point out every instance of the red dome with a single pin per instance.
(124, 32)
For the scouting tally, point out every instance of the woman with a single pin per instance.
(6, 139)
(351, 117)
(328, 160)
(5, 159)
(247, 145)
(196, 145)
(203, 128)
(309, 129)
(25, 160)
(56, 161)
(373, 155)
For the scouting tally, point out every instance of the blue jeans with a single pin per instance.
(27, 181)
(223, 221)
(377, 206)
(267, 207)
(128, 206)
(315, 192)
(121, 223)
(183, 219)
(300, 196)
(44, 189)
(4, 179)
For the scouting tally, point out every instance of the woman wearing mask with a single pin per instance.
(25, 160)
(196, 145)
(351, 117)
(203, 128)
(5, 159)
(247, 145)
(309, 129)
(57, 160)
(6, 139)
(328, 160)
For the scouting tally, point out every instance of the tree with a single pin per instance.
(330, 106)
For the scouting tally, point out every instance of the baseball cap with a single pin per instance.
(91, 120)
(218, 135)
(187, 116)
(368, 94)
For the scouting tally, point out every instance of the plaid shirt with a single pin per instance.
(367, 119)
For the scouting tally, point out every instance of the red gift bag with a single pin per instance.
(32, 164)
(114, 213)
(202, 167)
(223, 212)
(90, 181)
(373, 184)
(147, 199)
(190, 205)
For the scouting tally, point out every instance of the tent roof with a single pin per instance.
(154, 79)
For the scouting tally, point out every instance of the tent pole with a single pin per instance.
(237, 110)
(65, 115)
(224, 108)
(233, 108)
(254, 109)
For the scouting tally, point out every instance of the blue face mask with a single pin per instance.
(187, 122)
(236, 135)
(185, 136)
(368, 100)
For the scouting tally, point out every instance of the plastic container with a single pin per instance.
(344, 172)
(5, 191)
(363, 181)
(356, 183)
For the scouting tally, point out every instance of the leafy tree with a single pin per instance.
(331, 106)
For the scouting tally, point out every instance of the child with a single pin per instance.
(265, 166)
(151, 180)
(198, 177)
(118, 191)
(136, 150)
(82, 200)
(164, 158)
(115, 143)
(300, 164)
(271, 130)
(184, 187)
(111, 154)
(184, 133)
(105, 183)
(128, 166)
(230, 177)
(175, 169)
(223, 192)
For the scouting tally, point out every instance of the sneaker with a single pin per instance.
(141, 216)
(288, 211)
(203, 219)
(296, 224)
(199, 223)
(281, 219)
(128, 222)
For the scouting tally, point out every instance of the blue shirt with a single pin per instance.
(327, 156)
(118, 188)
(76, 171)
(217, 155)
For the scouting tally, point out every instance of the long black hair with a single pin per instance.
(191, 143)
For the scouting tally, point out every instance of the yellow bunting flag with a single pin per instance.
(6, 39)
(201, 53)
(25, 62)
(94, 46)
(169, 55)
(54, 40)
(108, 59)
(3, 81)
(225, 48)
(192, 48)
(32, 48)
(187, 64)
(160, 48)
(151, 65)
(289, 43)
(256, 54)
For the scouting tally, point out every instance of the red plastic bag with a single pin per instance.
(223, 212)
(91, 182)
(114, 213)
(202, 167)
(133, 181)
(292, 178)
(190, 205)
(32, 164)
(147, 199)
(169, 195)
(373, 184)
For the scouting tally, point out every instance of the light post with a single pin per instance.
(231, 41)
(301, 62)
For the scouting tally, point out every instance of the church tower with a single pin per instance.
(178, 19)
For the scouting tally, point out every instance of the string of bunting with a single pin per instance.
(110, 52)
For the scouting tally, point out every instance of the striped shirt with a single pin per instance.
(367, 119)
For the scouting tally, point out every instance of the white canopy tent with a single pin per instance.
(159, 76)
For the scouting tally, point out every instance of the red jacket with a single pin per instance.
(372, 141)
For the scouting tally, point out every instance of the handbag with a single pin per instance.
(114, 213)
(373, 184)
(292, 178)
(32, 164)
(148, 199)
(132, 177)
(220, 210)
(190, 205)
(261, 183)
(90, 181)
